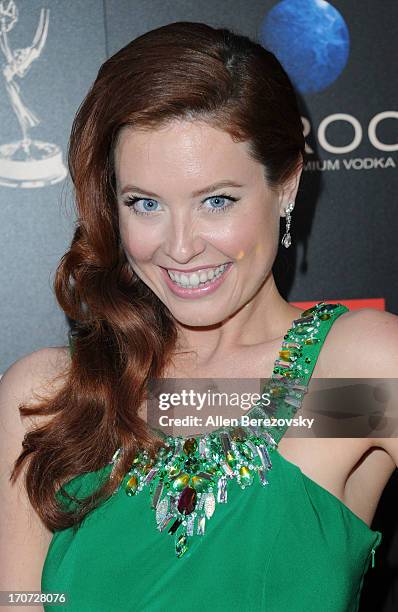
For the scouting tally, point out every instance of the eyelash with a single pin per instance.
(131, 200)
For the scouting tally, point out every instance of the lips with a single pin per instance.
(202, 289)
(196, 269)
(194, 279)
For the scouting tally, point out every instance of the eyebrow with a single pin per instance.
(195, 194)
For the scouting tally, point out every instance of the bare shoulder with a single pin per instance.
(34, 376)
(364, 344)
(38, 373)
(361, 344)
(24, 539)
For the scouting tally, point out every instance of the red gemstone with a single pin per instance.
(187, 501)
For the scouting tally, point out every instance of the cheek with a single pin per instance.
(256, 236)
(138, 243)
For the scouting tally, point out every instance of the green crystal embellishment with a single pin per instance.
(189, 477)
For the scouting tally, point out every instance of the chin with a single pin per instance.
(199, 320)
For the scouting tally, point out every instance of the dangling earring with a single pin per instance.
(287, 240)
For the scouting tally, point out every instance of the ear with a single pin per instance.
(288, 191)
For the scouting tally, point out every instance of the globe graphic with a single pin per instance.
(310, 38)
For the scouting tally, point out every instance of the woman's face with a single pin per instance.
(197, 221)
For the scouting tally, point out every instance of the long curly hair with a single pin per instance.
(123, 334)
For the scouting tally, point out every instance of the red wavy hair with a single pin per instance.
(124, 335)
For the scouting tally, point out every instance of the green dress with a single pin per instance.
(229, 525)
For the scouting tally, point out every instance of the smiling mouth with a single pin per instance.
(196, 279)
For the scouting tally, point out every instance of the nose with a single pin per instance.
(182, 238)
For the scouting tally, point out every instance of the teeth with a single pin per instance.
(194, 279)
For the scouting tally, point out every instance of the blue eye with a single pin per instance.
(220, 207)
(132, 200)
(150, 205)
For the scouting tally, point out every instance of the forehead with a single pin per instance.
(183, 149)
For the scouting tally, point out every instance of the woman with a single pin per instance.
(185, 153)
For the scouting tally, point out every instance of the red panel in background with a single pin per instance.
(377, 303)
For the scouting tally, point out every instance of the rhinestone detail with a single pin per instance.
(189, 476)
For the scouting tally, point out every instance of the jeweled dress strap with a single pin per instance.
(296, 362)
